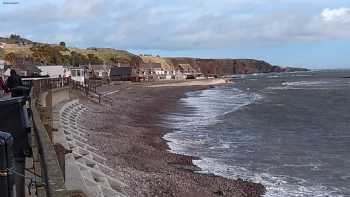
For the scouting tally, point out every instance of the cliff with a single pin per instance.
(213, 66)
(223, 66)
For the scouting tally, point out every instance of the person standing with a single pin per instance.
(14, 84)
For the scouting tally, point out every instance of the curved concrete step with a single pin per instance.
(85, 168)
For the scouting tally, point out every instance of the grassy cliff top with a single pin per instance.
(165, 63)
(16, 48)
(105, 54)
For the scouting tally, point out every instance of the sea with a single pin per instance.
(288, 131)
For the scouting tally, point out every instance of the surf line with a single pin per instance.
(109, 93)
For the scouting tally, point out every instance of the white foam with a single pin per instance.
(305, 83)
(310, 85)
(277, 186)
(302, 75)
(209, 106)
(221, 146)
(273, 76)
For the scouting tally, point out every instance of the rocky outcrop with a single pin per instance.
(223, 66)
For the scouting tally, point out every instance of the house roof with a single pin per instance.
(30, 69)
(152, 65)
(120, 71)
(122, 65)
(99, 67)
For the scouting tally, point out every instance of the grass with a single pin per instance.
(165, 64)
(105, 54)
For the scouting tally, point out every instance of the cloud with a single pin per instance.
(336, 15)
(333, 24)
(175, 25)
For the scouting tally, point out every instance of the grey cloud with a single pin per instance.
(142, 24)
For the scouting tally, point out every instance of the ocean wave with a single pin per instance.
(306, 83)
(277, 186)
(192, 137)
(301, 75)
(209, 106)
(310, 85)
(230, 149)
(273, 76)
(206, 107)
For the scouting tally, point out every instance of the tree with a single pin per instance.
(94, 60)
(15, 37)
(10, 57)
(18, 59)
(48, 54)
(78, 59)
(63, 44)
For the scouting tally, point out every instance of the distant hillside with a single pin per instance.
(165, 63)
(15, 39)
(20, 51)
(110, 56)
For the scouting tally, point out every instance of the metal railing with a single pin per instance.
(89, 89)
(48, 179)
(48, 170)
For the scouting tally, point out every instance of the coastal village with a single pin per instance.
(33, 60)
(119, 72)
(73, 149)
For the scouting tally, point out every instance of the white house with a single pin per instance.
(179, 75)
(100, 71)
(154, 71)
(78, 74)
(54, 71)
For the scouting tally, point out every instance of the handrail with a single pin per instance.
(90, 89)
(47, 167)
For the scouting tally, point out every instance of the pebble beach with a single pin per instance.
(130, 135)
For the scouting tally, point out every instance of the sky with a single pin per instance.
(303, 33)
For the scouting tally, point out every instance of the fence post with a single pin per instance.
(6, 163)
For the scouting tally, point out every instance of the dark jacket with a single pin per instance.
(14, 81)
(15, 85)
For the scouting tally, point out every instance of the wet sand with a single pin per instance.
(130, 135)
